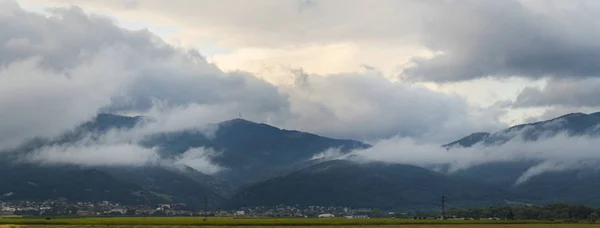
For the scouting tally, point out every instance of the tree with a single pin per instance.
(563, 215)
(71, 210)
(376, 213)
(159, 213)
(545, 215)
(510, 215)
(130, 212)
(593, 217)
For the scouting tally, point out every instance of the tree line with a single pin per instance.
(557, 211)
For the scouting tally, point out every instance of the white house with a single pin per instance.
(8, 209)
(326, 216)
(357, 217)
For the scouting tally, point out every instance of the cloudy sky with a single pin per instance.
(431, 70)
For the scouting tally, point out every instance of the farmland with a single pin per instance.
(353, 226)
(212, 222)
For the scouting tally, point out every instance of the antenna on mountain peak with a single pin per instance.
(240, 115)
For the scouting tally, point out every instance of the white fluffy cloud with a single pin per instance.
(556, 153)
(198, 159)
(96, 155)
(41, 102)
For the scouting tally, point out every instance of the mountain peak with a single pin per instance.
(238, 121)
(106, 121)
(573, 124)
(469, 140)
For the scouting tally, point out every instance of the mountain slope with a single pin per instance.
(573, 124)
(249, 151)
(35, 182)
(168, 185)
(374, 185)
(576, 185)
(252, 151)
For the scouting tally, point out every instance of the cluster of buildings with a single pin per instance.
(106, 208)
(63, 208)
(302, 212)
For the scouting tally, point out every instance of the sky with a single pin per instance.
(430, 70)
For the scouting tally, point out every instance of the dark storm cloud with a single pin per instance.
(506, 38)
(68, 38)
(565, 93)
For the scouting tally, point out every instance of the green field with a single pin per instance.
(196, 221)
(354, 226)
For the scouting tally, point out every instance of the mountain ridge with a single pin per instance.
(238, 141)
(370, 185)
(265, 165)
(572, 124)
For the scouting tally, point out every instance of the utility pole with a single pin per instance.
(443, 207)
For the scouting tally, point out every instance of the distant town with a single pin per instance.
(107, 208)
(63, 208)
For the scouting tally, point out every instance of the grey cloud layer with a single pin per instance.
(476, 38)
(565, 93)
(61, 70)
(472, 38)
(68, 38)
(367, 105)
(506, 38)
(69, 66)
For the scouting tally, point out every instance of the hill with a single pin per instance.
(366, 185)
(35, 182)
(577, 186)
(252, 151)
(249, 151)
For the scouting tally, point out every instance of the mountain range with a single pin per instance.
(264, 165)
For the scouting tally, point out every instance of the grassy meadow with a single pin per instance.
(225, 222)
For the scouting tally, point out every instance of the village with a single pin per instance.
(107, 208)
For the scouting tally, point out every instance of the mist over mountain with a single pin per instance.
(239, 163)
(542, 179)
(517, 164)
(245, 152)
(344, 102)
(250, 151)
